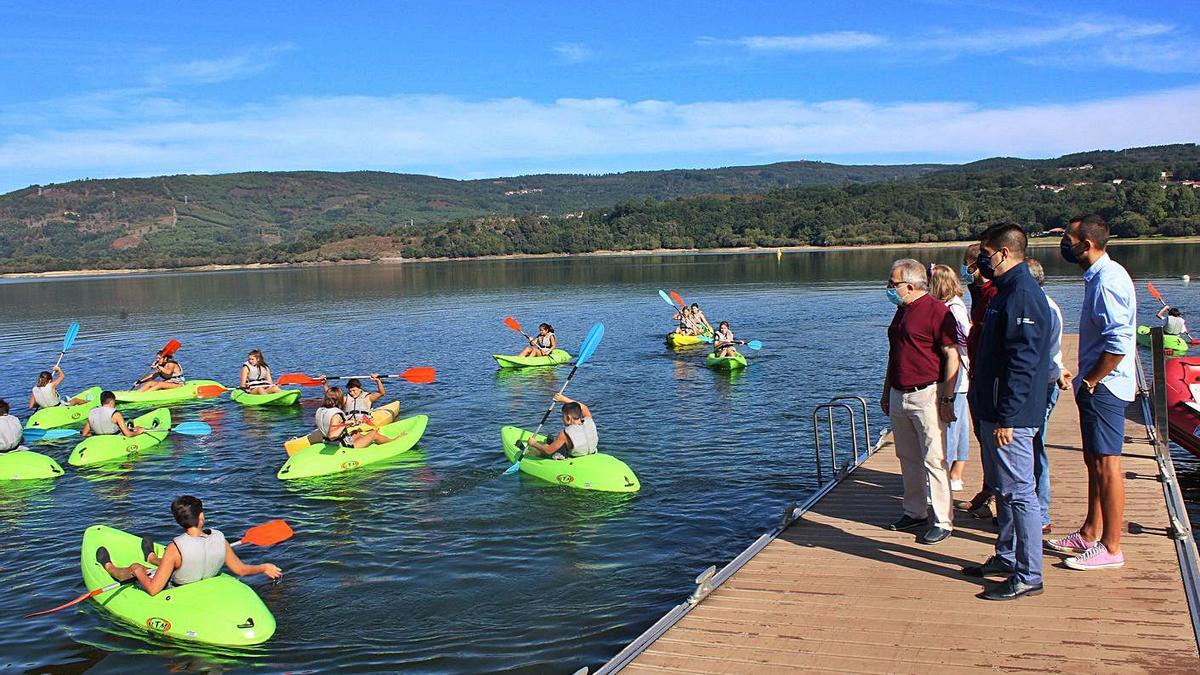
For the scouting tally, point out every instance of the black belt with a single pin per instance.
(910, 390)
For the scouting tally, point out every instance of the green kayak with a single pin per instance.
(185, 392)
(108, 448)
(65, 415)
(218, 611)
(285, 397)
(555, 358)
(600, 472)
(322, 459)
(22, 464)
(735, 362)
(1173, 345)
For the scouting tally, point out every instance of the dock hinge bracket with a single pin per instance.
(703, 586)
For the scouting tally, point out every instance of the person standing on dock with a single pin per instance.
(982, 291)
(1012, 367)
(918, 396)
(1060, 380)
(1106, 386)
(946, 285)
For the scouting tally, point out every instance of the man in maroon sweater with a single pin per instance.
(982, 291)
(918, 396)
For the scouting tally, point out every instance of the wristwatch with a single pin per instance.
(946, 399)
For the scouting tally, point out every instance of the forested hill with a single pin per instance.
(182, 221)
(187, 220)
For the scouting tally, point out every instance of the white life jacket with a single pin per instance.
(46, 397)
(10, 433)
(256, 376)
(100, 420)
(357, 408)
(324, 418)
(584, 438)
(200, 557)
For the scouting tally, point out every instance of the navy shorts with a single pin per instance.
(1101, 421)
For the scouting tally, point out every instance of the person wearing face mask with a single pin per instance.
(1105, 386)
(1012, 367)
(918, 397)
(982, 291)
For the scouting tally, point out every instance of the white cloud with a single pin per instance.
(814, 42)
(572, 52)
(458, 137)
(1085, 43)
(211, 71)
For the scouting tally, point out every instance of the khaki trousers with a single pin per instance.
(918, 433)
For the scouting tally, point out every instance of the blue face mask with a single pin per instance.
(893, 297)
(965, 272)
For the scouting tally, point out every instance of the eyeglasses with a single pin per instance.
(896, 284)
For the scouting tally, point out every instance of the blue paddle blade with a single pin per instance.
(52, 434)
(589, 344)
(32, 435)
(666, 298)
(754, 344)
(192, 429)
(705, 338)
(72, 333)
(512, 469)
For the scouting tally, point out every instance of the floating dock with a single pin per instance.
(832, 589)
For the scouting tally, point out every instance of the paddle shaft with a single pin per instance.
(551, 408)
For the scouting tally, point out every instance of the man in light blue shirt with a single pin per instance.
(1106, 386)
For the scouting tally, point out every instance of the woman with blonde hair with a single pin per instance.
(945, 285)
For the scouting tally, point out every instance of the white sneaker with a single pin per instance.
(956, 485)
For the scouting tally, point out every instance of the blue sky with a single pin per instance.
(476, 89)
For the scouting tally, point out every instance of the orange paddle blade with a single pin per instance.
(268, 534)
(1155, 293)
(210, 391)
(678, 300)
(300, 379)
(171, 347)
(512, 323)
(420, 374)
(76, 601)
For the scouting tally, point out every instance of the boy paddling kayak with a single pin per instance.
(106, 421)
(578, 437)
(195, 555)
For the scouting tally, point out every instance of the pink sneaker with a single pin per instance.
(1072, 543)
(1096, 558)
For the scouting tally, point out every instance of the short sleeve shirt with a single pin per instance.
(916, 337)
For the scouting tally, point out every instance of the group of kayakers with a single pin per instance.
(692, 321)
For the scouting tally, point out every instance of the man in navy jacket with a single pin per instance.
(1011, 370)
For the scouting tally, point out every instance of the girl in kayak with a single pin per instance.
(356, 403)
(334, 423)
(45, 393)
(1173, 323)
(167, 369)
(578, 437)
(104, 420)
(723, 341)
(543, 344)
(195, 555)
(10, 429)
(700, 320)
(687, 322)
(256, 375)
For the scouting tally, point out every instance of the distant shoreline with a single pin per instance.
(1040, 242)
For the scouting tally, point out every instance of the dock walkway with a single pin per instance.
(837, 591)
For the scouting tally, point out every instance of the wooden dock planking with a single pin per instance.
(837, 592)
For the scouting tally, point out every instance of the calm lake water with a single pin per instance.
(438, 564)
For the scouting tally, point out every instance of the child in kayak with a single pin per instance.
(543, 344)
(702, 323)
(256, 375)
(167, 369)
(578, 437)
(195, 555)
(104, 420)
(1173, 323)
(10, 429)
(723, 342)
(334, 424)
(358, 404)
(687, 322)
(45, 393)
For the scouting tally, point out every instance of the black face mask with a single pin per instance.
(1072, 252)
(986, 269)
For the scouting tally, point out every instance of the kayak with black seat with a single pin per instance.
(24, 464)
(113, 447)
(65, 415)
(323, 459)
(220, 610)
(597, 471)
(554, 358)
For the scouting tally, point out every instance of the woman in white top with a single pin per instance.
(256, 374)
(45, 393)
(945, 284)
